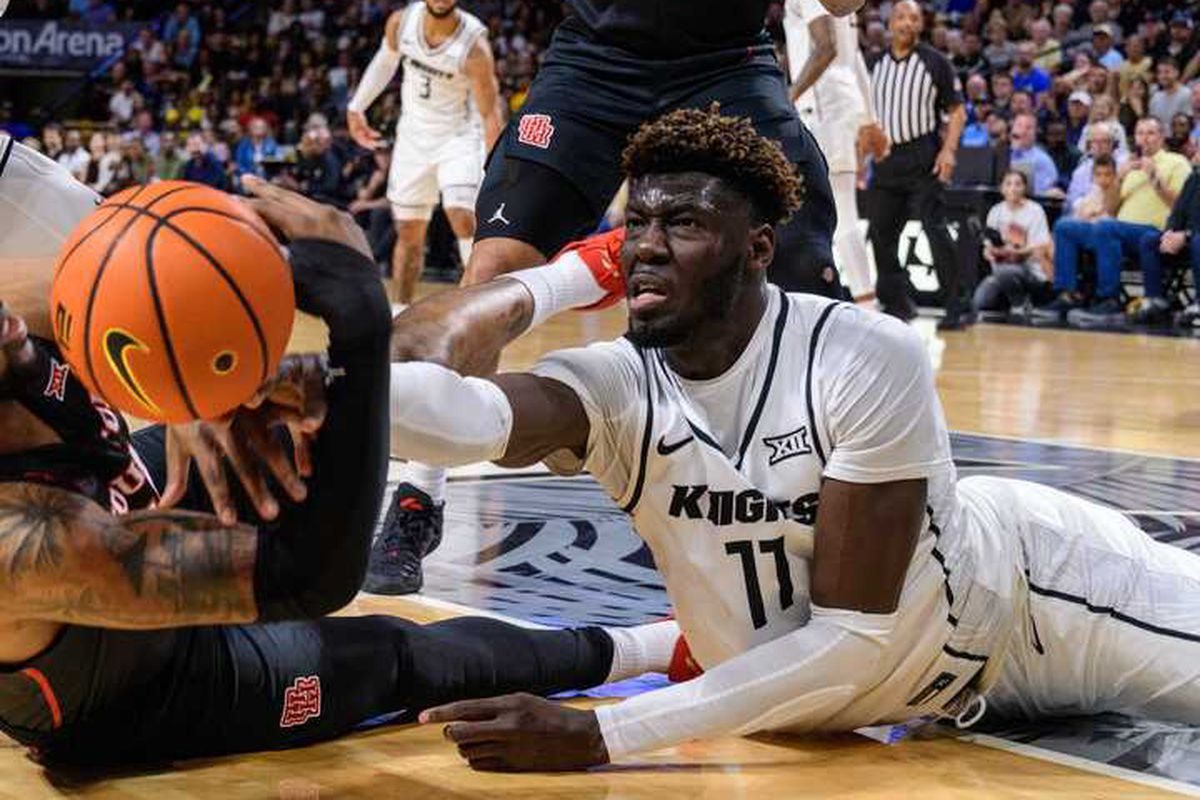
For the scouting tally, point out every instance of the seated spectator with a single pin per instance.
(1028, 76)
(1135, 103)
(143, 130)
(136, 167)
(1103, 51)
(997, 131)
(1181, 43)
(1180, 140)
(316, 173)
(1149, 184)
(1179, 239)
(95, 157)
(970, 61)
(1100, 144)
(74, 156)
(1171, 97)
(1104, 112)
(1070, 37)
(52, 140)
(201, 166)
(1079, 106)
(373, 212)
(106, 170)
(1137, 64)
(181, 19)
(1104, 197)
(256, 145)
(1018, 248)
(1002, 91)
(1027, 155)
(1047, 51)
(999, 51)
(1065, 157)
(120, 105)
(168, 166)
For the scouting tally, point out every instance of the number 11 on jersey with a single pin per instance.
(744, 548)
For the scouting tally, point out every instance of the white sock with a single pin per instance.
(464, 251)
(849, 248)
(430, 480)
(641, 649)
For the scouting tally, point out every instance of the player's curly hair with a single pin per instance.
(691, 140)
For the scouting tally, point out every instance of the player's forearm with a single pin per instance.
(816, 64)
(799, 681)
(492, 125)
(954, 128)
(66, 560)
(375, 78)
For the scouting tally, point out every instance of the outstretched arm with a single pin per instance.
(374, 80)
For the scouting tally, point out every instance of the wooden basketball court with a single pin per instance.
(1120, 392)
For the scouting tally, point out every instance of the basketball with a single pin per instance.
(172, 302)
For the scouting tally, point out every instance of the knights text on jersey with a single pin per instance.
(724, 486)
(435, 95)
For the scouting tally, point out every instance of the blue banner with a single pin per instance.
(61, 45)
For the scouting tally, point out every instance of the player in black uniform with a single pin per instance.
(612, 65)
(117, 640)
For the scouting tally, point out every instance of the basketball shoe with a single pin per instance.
(412, 529)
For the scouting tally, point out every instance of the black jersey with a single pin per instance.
(96, 457)
(670, 28)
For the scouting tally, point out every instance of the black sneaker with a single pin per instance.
(1105, 313)
(412, 529)
(1151, 311)
(1056, 310)
(956, 322)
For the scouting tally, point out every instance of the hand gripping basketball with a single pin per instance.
(602, 255)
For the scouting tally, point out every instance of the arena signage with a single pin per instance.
(51, 44)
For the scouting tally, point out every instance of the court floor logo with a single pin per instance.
(535, 130)
(301, 701)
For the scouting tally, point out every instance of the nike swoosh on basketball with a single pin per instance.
(116, 343)
(665, 449)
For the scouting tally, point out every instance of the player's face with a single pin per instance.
(440, 8)
(685, 256)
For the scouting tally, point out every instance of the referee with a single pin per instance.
(912, 86)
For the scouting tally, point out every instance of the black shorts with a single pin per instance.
(108, 696)
(585, 103)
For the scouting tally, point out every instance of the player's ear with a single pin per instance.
(762, 246)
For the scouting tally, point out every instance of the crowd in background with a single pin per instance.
(208, 91)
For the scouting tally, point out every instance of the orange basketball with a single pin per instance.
(172, 301)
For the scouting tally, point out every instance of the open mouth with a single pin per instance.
(646, 292)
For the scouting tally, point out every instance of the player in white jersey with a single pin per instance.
(831, 90)
(449, 118)
(787, 461)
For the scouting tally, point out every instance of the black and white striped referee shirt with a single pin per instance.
(912, 93)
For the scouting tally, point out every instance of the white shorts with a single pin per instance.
(834, 111)
(421, 170)
(1113, 616)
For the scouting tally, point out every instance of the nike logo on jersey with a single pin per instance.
(726, 507)
(499, 216)
(665, 449)
(788, 445)
(116, 349)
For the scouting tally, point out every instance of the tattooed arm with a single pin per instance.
(64, 559)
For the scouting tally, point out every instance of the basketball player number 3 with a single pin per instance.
(426, 88)
(744, 549)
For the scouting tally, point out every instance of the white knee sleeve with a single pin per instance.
(445, 420)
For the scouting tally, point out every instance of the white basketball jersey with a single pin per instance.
(837, 94)
(435, 95)
(725, 491)
(40, 203)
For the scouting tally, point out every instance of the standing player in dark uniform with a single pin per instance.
(129, 633)
(612, 65)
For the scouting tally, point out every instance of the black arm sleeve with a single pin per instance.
(312, 559)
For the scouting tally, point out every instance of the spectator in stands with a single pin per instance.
(120, 105)
(135, 168)
(168, 166)
(1028, 76)
(1180, 140)
(1137, 64)
(52, 140)
(971, 61)
(999, 51)
(182, 19)
(1135, 103)
(74, 156)
(96, 157)
(143, 130)
(1065, 32)
(997, 131)
(1171, 97)
(1002, 91)
(254, 147)
(1028, 156)
(149, 48)
(1103, 197)
(1104, 113)
(373, 212)
(1047, 50)
(201, 166)
(1100, 15)
(1079, 106)
(1065, 157)
(1017, 246)
(1149, 184)
(316, 173)
(1099, 144)
(1180, 44)
(1103, 51)
(1180, 241)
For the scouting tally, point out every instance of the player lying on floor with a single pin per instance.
(159, 634)
(786, 459)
